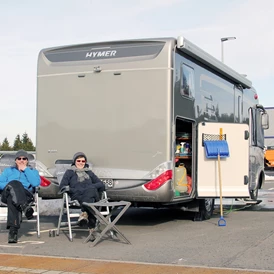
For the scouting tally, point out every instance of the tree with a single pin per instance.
(17, 143)
(27, 143)
(6, 145)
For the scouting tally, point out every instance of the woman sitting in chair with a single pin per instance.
(84, 186)
(17, 182)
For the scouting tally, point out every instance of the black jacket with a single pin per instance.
(78, 190)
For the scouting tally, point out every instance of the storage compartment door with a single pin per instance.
(234, 168)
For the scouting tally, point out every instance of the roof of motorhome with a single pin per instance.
(197, 53)
(111, 42)
(182, 44)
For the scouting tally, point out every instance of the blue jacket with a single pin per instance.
(28, 178)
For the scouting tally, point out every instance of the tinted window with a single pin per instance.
(187, 81)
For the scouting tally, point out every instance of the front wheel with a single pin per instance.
(254, 194)
(206, 207)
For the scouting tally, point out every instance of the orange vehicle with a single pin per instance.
(269, 157)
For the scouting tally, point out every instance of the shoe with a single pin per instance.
(28, 211)
(83, 219)
(12, 236)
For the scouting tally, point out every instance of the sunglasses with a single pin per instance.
(22, 158)
(80, 161)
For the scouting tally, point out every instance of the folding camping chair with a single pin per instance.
(71, 208)
(36, 216)
(7, 160)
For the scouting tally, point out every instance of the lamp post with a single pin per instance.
(224, 39)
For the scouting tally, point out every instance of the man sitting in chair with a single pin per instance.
(84, 186)
(17, 182)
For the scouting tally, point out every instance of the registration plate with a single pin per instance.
(108, 182)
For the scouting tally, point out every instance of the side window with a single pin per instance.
(256, 128)
(187, 81)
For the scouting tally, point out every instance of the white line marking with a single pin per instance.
(41, 231)
(20, 246)
(32, 242)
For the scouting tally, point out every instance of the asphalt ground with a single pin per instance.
(245, 245)
(163, 241)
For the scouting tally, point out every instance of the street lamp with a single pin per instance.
(224, 39)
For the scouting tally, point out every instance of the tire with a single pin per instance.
(254, 194)
(206, 207)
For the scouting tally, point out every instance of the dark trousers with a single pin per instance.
(90, 195)
(16, 197)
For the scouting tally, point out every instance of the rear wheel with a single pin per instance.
(206, 207)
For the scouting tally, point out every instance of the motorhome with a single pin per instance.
(141, 111)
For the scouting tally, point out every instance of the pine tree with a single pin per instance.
(17, 143)
(6, 145)
(27, 143)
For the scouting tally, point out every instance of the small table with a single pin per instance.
(94, 208)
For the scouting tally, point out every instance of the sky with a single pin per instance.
(28, 26)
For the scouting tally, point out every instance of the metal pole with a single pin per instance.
(222, 49)
(224, 39)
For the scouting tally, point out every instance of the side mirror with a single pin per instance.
(265, 120)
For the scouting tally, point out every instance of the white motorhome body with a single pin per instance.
(129, 104)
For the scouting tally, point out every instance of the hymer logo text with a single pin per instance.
(98, 54)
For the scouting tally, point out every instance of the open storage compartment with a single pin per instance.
(183, 158)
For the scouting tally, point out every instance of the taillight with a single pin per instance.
(159, 181)
(44, 182)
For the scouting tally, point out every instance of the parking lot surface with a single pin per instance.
(163, 241)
